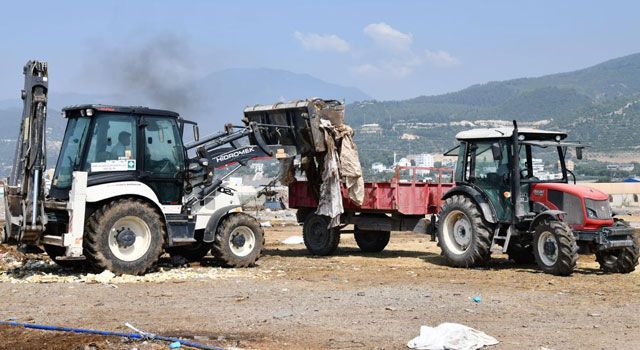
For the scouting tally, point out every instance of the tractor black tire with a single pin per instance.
(191, 252)
(238, 241)
(371, 241)
(461, 222)
(521, 254)
(102, 229)
(54, 251)
(318, 238)
(618, 261)
(561, 256)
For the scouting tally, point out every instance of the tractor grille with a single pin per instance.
(568, 203)
(602, 208)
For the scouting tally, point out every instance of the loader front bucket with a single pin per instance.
(294, 127)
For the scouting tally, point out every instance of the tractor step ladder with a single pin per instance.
(504, 239)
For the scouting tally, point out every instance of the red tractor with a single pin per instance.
(504, 197)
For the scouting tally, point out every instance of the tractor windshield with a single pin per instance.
(69, 158)
(542, 163)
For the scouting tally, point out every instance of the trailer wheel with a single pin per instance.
(54, 251)
(465, 239)
(318, 238)
(239, 240)
(124, 236)
(371, 241)
(555, 248)
(521, 254)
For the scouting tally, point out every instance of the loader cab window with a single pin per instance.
(113, 144)
(163, 158)
(74, 138)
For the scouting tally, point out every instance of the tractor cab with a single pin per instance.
(515, 191)
(506, 170)
(122, 144)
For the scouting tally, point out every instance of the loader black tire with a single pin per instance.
(318, 238)
(521, 254)
(238, 241)
(622, 260)
(371, 241)
(108, 243)
(192, 252)
(464, 237)
(54, 251)
(555, 248)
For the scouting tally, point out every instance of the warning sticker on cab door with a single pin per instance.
(114, 165)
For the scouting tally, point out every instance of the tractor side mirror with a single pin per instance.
(496, 151)
(579, 152)
(196, 132)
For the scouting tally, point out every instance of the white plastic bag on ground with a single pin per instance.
(293, 240)
(450, 336)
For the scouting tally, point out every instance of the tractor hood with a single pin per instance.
(576, 190)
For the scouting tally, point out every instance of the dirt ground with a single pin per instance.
(348, 301)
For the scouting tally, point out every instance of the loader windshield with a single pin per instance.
(74, 138)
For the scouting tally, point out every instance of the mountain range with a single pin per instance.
(599, 105)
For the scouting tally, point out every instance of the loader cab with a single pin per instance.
(498, 165)
(117, 144)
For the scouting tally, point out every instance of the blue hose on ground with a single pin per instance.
(140, 336)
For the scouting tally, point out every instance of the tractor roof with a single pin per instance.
(121, 109)
(503, 133)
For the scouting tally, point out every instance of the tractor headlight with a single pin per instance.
(592, 214)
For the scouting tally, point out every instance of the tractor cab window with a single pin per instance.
(113, 144)
(485, 165)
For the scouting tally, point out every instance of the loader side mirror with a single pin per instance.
(196, 133)
(496, 151)
(579, 152)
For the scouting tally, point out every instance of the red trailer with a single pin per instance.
(398, 205)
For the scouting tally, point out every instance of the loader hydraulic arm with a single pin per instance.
(24, 195)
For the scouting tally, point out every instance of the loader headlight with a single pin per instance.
(592, 214)
(89, 112)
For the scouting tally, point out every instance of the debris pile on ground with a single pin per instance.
(270, 218)
(46, 271)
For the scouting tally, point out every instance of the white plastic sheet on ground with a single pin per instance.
(450, 336)
(293, 240)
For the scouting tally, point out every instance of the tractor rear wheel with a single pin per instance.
(555, 248)
(239, 240)
(124, 236)
(371, 241)
(318, 238)
(463, 236)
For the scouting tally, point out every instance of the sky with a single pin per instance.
(388, 49)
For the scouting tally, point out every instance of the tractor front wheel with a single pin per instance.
(465, 239)
(618, 261)
(555, 248)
